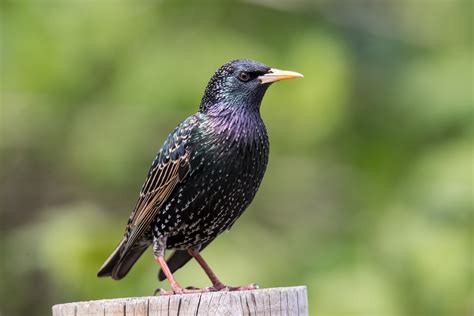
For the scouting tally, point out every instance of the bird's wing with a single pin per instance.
(170, 167)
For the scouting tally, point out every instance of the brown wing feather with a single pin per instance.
(170, 167)
(157, 188)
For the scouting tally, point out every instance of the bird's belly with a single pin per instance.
(224, 178)
(202, 210)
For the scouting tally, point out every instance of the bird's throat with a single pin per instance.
(237, 123)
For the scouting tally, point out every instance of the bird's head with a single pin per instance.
(241, 83)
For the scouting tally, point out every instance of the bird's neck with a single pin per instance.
(217, 99)
(236, 123)
(233, 109)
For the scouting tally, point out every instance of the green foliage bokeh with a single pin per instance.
(368, 196)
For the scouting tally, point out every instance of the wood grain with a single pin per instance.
(276, 301)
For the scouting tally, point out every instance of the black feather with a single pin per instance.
(205, 175)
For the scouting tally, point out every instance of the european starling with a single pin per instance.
(204, 176)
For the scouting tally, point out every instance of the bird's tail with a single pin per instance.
(118, 264)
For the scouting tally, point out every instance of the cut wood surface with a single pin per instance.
(276, 301)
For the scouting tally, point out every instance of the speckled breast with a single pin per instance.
(224, 178)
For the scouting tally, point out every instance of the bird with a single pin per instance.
(206, 173)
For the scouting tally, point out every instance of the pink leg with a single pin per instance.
(217, 285)
(176, 288)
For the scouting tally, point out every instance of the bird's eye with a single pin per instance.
(244, 76)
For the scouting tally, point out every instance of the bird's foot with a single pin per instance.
(252, 286)
(222, 287)
(215, 288)
(180, 290)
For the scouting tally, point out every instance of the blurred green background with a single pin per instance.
(368, 197)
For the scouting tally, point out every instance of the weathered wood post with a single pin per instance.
(276, 301)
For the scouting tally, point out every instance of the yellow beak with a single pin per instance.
(276, 75)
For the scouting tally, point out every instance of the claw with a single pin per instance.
(222, 287)
(188, 290)
(215, 288)
(252, 286)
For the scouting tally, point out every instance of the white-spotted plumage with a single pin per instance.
(204, 176)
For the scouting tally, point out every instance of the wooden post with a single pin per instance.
(277, 301)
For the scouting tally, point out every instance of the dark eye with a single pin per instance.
(244, 76)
